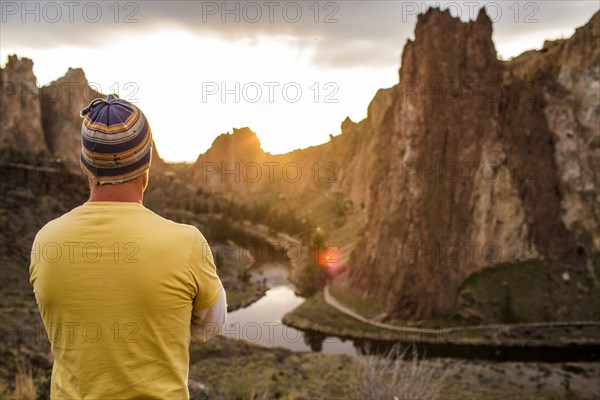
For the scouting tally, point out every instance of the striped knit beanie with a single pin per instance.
(116, 141)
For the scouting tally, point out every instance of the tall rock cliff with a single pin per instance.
(467, 162)
(568, 74)
(480, 162)
(62, 100)
(20, 117)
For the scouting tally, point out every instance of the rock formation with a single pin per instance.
(45, 121)
(231, 164)
(480, 162)
(568, 73)
(344, 164)
(467, 162)
(62, 100)
(20, 117)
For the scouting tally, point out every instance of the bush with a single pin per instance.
(393, 376)
(309, 278)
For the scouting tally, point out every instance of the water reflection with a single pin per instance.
(260, 323)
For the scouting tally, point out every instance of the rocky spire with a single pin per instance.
(469, 173)
(20, 111)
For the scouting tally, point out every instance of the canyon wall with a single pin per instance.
(468, 161)
(480, 162)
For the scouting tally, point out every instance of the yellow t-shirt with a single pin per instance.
(115, 284)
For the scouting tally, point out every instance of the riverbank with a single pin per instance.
(249, 246)
(496, 306)
(315, 314)
(233, 265)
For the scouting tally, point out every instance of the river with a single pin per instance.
(260, 322)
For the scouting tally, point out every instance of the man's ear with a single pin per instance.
(145, 179)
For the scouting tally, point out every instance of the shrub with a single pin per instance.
(309, 278)
(393, 376)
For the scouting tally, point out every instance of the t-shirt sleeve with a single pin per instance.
(203, 272)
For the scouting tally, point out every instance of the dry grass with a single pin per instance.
(395, 376)
(24, 387)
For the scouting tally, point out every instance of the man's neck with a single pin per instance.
(130, 192)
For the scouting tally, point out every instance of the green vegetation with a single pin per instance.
(311, 276)
(316, 315)
(354, 299)
(270, 210)
(234, 273)
(529, 291)
(533, 291)
(238, 370)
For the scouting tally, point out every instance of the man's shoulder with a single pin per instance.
(172, 225)
(171, 233)
(162, 228)
(55, 224)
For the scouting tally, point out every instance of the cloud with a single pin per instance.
(340, 34)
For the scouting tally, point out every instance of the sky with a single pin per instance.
(292, 71)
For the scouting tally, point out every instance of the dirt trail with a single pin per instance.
(333, 302)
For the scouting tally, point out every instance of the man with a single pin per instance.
(120, 288)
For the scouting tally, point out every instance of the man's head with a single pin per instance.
(116, 142)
